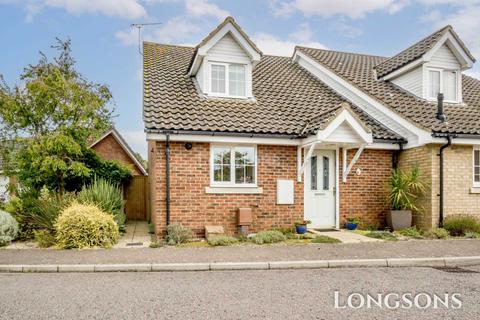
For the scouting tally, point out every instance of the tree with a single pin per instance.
(46, 121)
(142, 161)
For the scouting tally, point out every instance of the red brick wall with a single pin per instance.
(192, 207)
(110, 149)
(364, 195)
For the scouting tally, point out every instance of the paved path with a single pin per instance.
(299, 294)
(347, 236)
(400, 249)
(136, 235)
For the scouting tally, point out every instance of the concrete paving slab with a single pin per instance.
(123, 267)
(76, 268)
(180, 266)
(462, 261)
(298, 264)
(348, 263)
(416, 262)
(239, 266)
(43, 268)
(346, 236)
(11, 268)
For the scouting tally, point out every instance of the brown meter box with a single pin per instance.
(244, 216)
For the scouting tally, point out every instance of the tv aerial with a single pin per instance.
(139, 27)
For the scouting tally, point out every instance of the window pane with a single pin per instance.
(244, 165)
(450, 85)
(326, 173)
(218, 78)
(433, 84)
(221, 164)
(244, 155)
(313, 173)
(476, 165)
(236, 80)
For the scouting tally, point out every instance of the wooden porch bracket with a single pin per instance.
(346, 170)
(299, 160)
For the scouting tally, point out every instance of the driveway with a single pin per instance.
(299, 294)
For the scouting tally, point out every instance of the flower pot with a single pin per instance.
(301, 229)
(399, 219)
(351, 226)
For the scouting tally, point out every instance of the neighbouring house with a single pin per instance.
(312, 136)
(112, 146)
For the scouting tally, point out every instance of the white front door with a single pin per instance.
(320, 189)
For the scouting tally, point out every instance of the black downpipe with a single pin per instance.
(440, 215)
(167, 176)
(396, 155)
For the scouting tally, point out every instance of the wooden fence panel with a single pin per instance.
(136, 197)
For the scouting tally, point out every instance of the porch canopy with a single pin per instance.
(340, 128)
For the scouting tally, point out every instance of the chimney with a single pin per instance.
(440, 115)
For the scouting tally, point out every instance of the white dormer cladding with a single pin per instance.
(438, 70)
(229, 62)
(224, 61)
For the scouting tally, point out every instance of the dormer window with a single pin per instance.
(227, 79)
(444, 81)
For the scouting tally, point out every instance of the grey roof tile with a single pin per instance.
(286, 98)
(358, 70)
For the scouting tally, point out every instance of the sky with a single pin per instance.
(106, 46)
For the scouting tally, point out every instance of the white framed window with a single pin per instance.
(234, 166)
(228, 79)
(444, 81)
(476, 167)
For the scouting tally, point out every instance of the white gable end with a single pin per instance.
(445, 58)
(344, 133)
(228, 49)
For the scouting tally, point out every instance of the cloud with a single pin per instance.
(200, 8)
(274, 45)
(328, 8)
(175, 31)
(346, 30)
(128, 9)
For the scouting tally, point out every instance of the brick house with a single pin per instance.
(311, 136)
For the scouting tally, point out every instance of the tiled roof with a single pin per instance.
(287, 97)
(416, 51)
(358, 70)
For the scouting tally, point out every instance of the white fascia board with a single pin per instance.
(224, 139)
(456, 48)
(197, 62)
(254, 55)
(412, 65)
(345, 116)
(393, 121)
(255, 140)
(458, 141)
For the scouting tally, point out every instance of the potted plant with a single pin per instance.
(405, 190)
(352, 223)
(301, 226)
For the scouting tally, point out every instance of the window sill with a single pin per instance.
(234, 190)
(475, 190)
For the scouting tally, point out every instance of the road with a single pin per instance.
(289, 294)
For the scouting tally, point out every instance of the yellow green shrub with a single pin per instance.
(85, 226)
